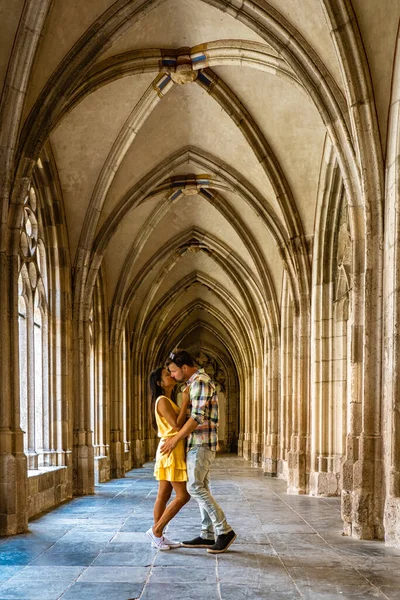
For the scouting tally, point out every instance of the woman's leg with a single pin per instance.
(181, 498)
(164, 494)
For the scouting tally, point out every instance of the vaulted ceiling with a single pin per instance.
(189, 149)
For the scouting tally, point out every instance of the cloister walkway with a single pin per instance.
(288, 547)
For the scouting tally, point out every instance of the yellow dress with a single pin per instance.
(172, 467)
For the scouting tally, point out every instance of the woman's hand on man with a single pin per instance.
(168, 445)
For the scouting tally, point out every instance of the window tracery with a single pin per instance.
(33, 333)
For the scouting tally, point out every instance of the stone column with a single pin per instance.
(270, 457)
(286, 384)
(246, 410)
(391, 413)
(297, 460)
(83, 452)
(139, 400)
(117, 437)
(257, 412)
(13, 463)
(128, 440)
(241, 418)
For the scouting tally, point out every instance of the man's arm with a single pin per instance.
(200, 394)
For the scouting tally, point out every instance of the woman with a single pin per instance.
(169, 470)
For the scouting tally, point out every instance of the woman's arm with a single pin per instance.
(165, 410)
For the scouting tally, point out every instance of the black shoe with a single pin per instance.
(198, 542)
(223, 542)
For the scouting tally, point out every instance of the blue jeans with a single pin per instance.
(213, 521)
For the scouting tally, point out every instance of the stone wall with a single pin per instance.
(47, 488)
(101, 469)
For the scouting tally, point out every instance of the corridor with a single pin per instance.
(95, 547)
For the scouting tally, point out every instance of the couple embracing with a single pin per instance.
(186, 450)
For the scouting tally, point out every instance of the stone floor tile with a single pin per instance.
(130, 559)
(18, 557)
(287, 528)
(230, 591)
(69, 554)
(138, 548)
(131, 537)
(99, 527)
(287, 547)
(180, 591)
(114, 574)
(103, 591)
(332, 591)
(183, 574)
(42, 531)
(186, 557)
(137, 525)
(261, 576)
(393, 593)
(102, 537)
(33, 589)
(45, 573)
(8, 571)
(254, 552)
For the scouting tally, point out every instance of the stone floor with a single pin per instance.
(287, 547)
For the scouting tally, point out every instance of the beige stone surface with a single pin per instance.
(10, 14)
(177, 24)
(308, 17)
(378, 25)
(83, 140)
(205, 173)
(187, 116)
(292, 127)
(66, 23)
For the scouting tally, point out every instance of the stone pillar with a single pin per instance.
(256, 413)
(286, 383)
(246, 417)
(139, 400)
(117, 437)
(270, 453)
(326, 410)
(83, 451)
(297, 459)
(391, 389)
(362, 469)
(241, 412)
(13, 464)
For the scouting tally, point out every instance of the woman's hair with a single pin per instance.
(156, 391)
(154, 382)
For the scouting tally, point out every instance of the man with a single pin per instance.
(201, 431)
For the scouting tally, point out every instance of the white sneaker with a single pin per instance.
(157, 542)
(171, 543)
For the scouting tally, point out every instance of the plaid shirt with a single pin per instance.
(203, 409)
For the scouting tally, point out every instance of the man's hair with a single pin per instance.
(180, 358)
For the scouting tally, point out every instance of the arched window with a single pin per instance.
(23, 361)
(94, 401)
(33, 334)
